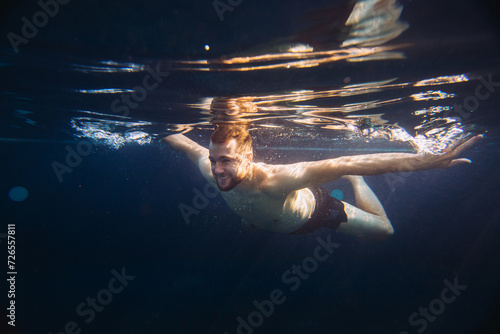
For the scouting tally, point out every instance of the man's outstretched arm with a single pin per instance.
(194, 151)
(305, 174)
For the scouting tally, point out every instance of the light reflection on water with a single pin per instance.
(419, 113)
(370, 24)
(287, 117)
(312, 110)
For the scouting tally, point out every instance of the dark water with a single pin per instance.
(104, 194)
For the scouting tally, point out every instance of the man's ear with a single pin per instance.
(249, 156)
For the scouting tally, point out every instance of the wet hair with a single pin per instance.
(232, 107)
(225, 132)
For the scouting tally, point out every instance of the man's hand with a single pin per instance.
(447, 158)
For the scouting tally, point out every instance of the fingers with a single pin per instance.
(468, 144)
(457, 162)
(461, 147)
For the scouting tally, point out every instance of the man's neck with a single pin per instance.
(250, 181)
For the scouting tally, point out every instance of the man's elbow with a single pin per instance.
(383, 233)
(387, 232)
(380, 236)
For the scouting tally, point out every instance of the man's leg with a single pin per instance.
(368, 218)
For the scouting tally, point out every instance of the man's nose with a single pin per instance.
(218, 168)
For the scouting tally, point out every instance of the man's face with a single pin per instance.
(229, 165)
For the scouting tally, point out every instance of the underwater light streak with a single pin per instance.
(111, 67)
(302, 60)
(104, 91)
(432, 95)
(282, 56)
(101, 114)
(442, 80)
(434, 110)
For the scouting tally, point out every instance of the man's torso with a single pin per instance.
(261, 209)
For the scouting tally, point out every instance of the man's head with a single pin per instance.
(230, 154)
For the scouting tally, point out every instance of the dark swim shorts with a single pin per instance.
(329, 212)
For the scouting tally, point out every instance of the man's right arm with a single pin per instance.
(194, 151)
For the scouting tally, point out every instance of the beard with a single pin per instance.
(227, 182)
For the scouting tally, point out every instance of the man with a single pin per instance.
(287, 198)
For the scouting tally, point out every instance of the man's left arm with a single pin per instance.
(305, 174)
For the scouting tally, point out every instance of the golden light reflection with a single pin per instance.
(367, 31)
(294, 103)
(274, 115)
(282, 60)
(431, 95)
(442, 80)
(434, 110)
(357, 118)
(371, 24)
(322, 109)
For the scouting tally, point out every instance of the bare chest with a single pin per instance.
(254, 204)
(269, 213)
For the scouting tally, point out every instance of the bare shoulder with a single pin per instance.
(270, 178)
